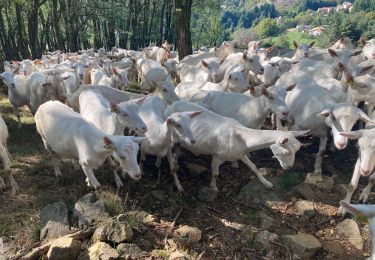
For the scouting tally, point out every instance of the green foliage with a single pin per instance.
(290, 179)
(266, 28)
(364, 5)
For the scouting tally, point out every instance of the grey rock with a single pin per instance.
(196, 169)
(254, 191)
(303, 245)
(304, 191)
(8, 248)
(90, 209)
(263, 238)
(305, 207)
(207, 194)
(114, 230)
(193, 234)
(349, 228)
(53, 221)
(130, 250)
(102, 251)
(266, 221)
(320, 181)
(64, 248)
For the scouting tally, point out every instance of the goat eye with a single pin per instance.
(272, 98)
(164, 90)
(178, 125)
(122, 157)
(125, 114)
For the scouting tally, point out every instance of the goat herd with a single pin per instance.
(218, 108)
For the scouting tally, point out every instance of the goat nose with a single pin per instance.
(285, 114)
(137, 176)
(144, 128)
(365, 172)
(306, 54)
(193, 141)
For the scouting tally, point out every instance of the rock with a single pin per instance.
(319, 233)
(334, 247)
(304, 191)
(141, 216)
(64, 248)
(130, 250)
(178, 256)
(207, 194)
(254, 191)
(341, 188)
(193, 234)
(266, 221)
(53, 221)
(305, 207)
(303, 245)
(196, 169)
(90, 209)
(349, 228)
(159, 195)
(102, 251)
(263, 238)
(7, 248)
(114, 230)
(320, 181)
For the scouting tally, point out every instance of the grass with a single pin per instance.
(286, 39)
(291, 179)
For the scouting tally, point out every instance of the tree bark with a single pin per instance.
(183, 15)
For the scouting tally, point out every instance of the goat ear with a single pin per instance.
(140, 101)
(114, 108)
(170, 121)
(291, 87)
(366, 68)
(269, 49)
(352, 134)
(295, 44)
(284, 140)
(195, 113)
(355, 53)
(204, 63)
(114, 70)
(364, 117)
(252, 90)
(349, 78)
(154, 84)
(107, 143)
(312, 44)
(264, 92)
(332, 52)
(138, 140)
(325, 112)
(244, 55)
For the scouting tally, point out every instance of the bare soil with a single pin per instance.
(228, 225)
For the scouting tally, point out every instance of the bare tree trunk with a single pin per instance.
(161, 25)
(21, 32)
(183, 15)
(56, 25)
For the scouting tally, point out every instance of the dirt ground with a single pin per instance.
(228, 224)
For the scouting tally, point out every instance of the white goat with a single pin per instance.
(163, 134)
(227, 140)
(68, 134)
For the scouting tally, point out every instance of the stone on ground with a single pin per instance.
(114, 230)
(349, 228)
(64, 248)
(263, 238)
(53, 221)
(89, 209)
(102, 251)
(305, 207)
(130, 250)
(193, 234)
(303, 245)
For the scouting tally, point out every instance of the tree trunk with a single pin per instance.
(56, 25)
(21, 32)
(161, 24)
(183, 15)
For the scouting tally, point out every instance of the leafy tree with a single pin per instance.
(266, 28)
